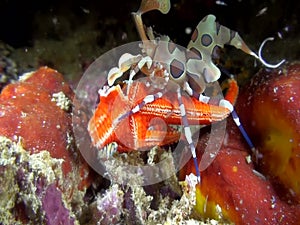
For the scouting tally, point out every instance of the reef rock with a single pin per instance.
(42, 175)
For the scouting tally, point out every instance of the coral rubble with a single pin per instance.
(29, 190)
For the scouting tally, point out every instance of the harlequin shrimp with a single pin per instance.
(192, 69)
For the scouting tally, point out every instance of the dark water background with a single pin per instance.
(68, 35)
